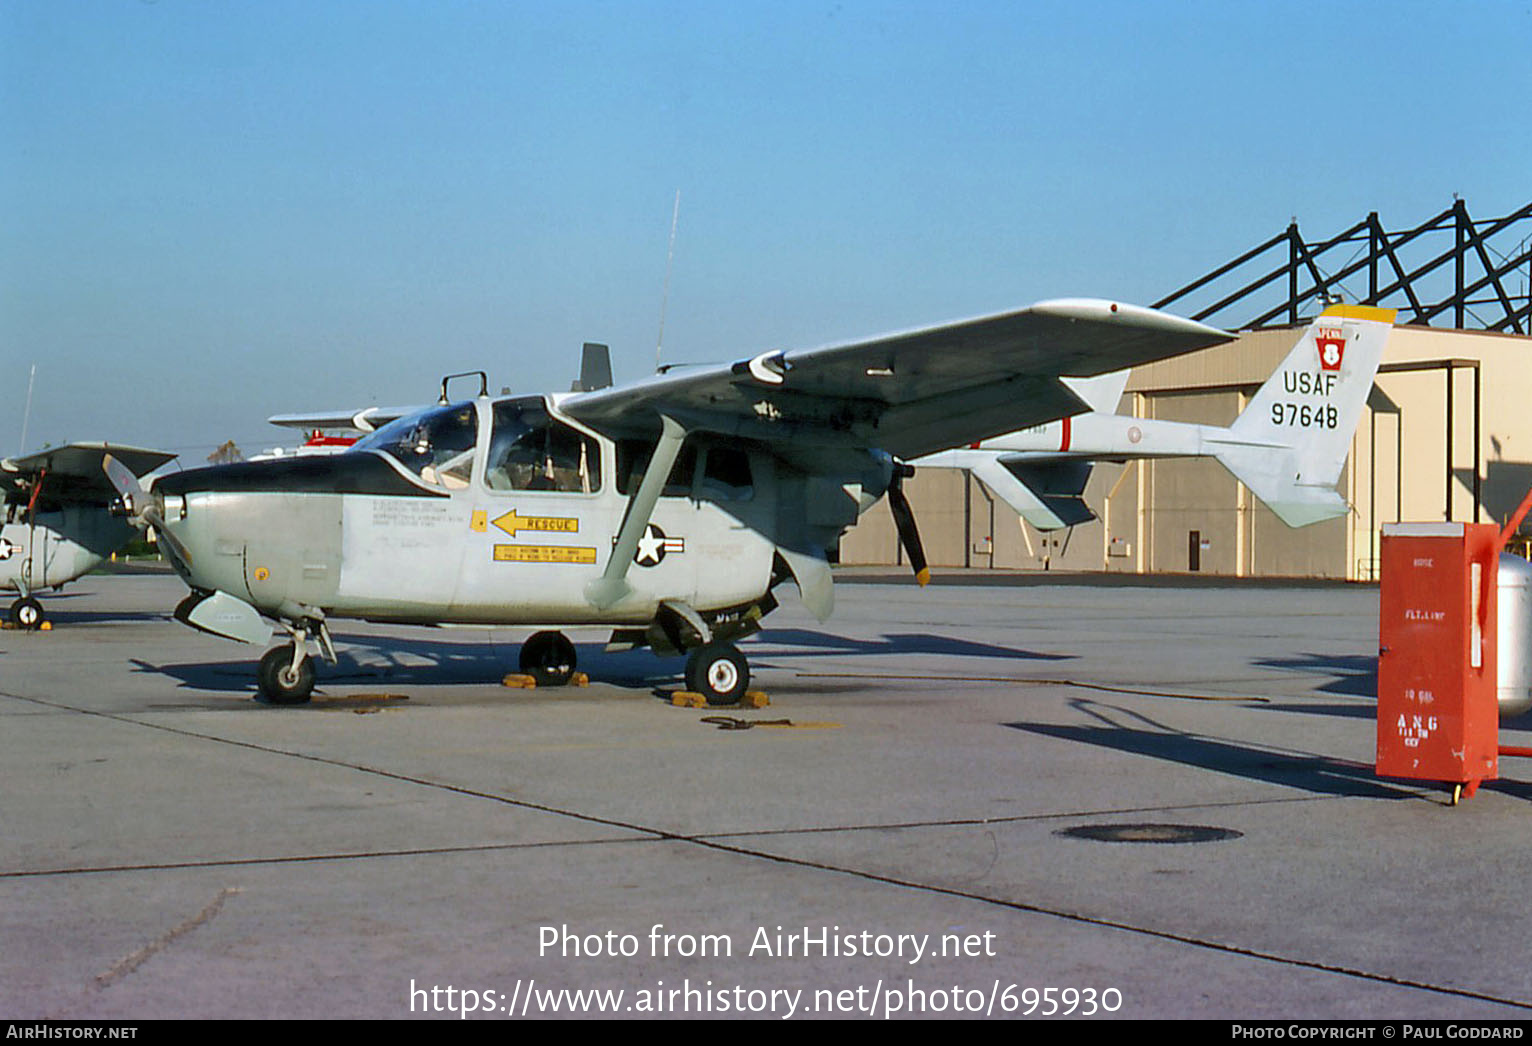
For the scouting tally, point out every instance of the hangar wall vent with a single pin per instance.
(1480, 280)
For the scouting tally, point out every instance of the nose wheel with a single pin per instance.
(719, 672)
(549, 658)
(282, 682)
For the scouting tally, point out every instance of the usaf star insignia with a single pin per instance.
(654, 546)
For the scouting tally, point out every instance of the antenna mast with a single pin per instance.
(675, 216)
(26, 415)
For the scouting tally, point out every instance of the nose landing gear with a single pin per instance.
(286, 675)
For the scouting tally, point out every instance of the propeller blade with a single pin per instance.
(904, 522)
(144, 509)
(126, 483)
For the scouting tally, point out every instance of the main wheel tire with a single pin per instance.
(279, 683)
(28, 613)
(549, 658)
(718, 672)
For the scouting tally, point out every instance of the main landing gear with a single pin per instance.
(719, 672)
(27, 613)
(716, 670)
(549, 658)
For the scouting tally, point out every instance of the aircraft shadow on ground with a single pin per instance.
(425, 661)
(1368, 712)
(1311, 773)
(1353, 674)
(64, 618)
(366, 660)
(817, 644)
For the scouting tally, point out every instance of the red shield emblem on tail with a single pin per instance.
(1332, 347)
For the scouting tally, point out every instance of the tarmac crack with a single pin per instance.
(128, 963)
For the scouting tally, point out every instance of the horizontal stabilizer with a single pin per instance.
(1048, 496)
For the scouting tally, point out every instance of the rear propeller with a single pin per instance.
(143, 507)
(904, 522)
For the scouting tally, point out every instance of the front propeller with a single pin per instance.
(904, 522)
(143, 507)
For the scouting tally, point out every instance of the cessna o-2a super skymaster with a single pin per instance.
(667, 509)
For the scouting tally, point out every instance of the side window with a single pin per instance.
(726, 475)
(529, 450)
(633, 461)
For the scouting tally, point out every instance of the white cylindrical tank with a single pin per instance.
(1513, 637)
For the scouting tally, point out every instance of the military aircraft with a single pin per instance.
(667, 509)
(1288, 445)
(57, 525)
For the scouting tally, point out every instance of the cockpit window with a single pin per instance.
(435, 444)
(530, 450)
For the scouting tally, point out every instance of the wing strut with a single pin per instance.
(612, 586)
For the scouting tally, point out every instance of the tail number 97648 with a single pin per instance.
(1305, 415)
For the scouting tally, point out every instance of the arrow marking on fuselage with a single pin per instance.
(511, 523)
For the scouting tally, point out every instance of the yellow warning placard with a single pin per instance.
(543, 554)
(512, 523)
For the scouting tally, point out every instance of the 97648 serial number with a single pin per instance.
(1304, 415)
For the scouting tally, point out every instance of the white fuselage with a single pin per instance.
(467, 552)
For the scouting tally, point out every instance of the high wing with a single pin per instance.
(359, 420)
(73, 472)
(909, 393)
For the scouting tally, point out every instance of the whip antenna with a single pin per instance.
(670, 254)
(26, 415)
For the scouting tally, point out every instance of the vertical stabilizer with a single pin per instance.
(1290, 443)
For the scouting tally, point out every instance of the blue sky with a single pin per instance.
(218, 211)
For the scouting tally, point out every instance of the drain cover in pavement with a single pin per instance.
(1150, 833)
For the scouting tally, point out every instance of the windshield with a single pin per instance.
(435, 444)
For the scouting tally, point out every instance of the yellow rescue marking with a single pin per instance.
(261, 573)
(480, 522)
(543, 554)
(512, 523)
